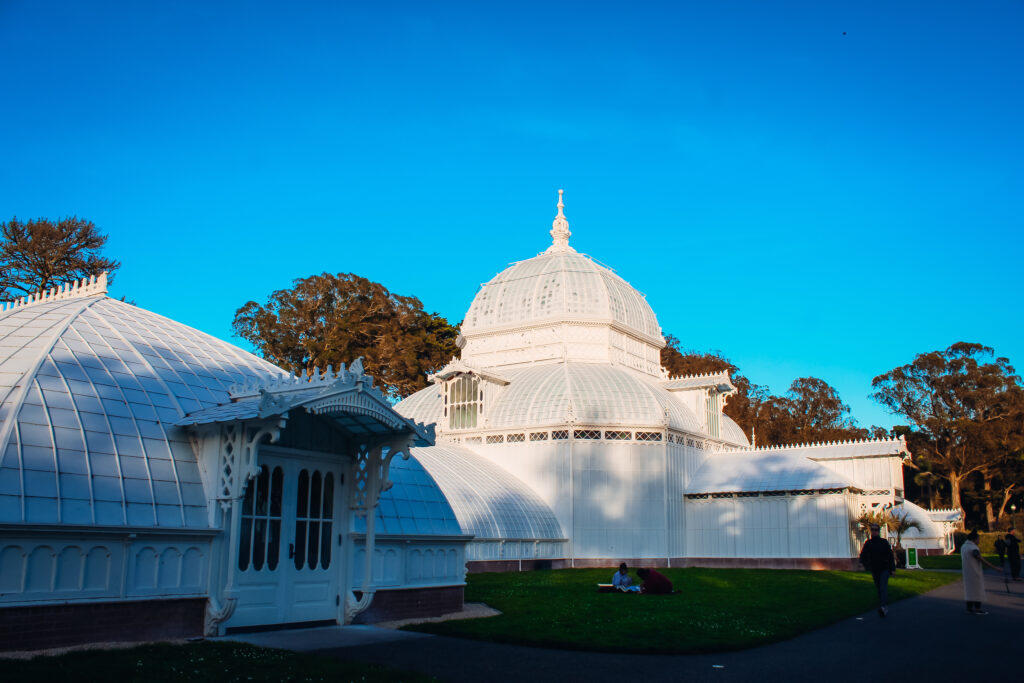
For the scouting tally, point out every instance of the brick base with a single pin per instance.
(47, 626)
(833, 563)
(412, 603)
(841, 563)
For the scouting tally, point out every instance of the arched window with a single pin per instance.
(463, 401)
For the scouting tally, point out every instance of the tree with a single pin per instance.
(900, 524)
(743, 406)
(39, 254)
(333, 319)
(810, 411)
(968, 408)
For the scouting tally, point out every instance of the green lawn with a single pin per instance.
(717, 609)
(220, 662)
(949, 561)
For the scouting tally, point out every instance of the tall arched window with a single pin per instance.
(463, 401)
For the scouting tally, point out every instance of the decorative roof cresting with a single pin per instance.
(560, 229)
(89, 286)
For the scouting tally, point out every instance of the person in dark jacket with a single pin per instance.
(654, 583)
(1013, 553)
(876, 556)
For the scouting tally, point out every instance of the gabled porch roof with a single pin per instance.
(346, 397)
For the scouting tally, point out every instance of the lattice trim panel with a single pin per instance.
(764, 494)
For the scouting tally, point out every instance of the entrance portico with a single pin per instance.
(293, 462)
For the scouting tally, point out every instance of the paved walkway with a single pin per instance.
(930, 637)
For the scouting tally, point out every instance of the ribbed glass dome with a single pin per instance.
(91, 389)
(588, 394)
(585, 393)
(413, 505)
(488, 501)
(559, 285)
(732, 432)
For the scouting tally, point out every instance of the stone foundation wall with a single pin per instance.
(47, 626)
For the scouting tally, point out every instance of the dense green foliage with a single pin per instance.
(716, 609)
(40, 254)
(221, 662)
(334, 319)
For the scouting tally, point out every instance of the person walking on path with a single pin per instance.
(973, 573)
(1013, 553)
(876, 556)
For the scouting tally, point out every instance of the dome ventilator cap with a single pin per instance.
(560, 229)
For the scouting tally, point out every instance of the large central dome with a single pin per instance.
(559, 285)
(560, 305)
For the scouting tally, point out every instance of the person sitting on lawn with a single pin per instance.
(655, 583)
(622, 579)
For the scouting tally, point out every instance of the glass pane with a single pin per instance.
(274, 547)
(262, 492)
(247, 503)
(276, 488)
(259, 543)
(300, 544)
(314, 496)
(301, 508)
(314, 543)
(328, 512)
(325, 545)
(245, 544)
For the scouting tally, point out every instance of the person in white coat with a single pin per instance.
(973, 573)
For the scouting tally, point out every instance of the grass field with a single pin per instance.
(716, 609)
(949, 561)
(220, 662)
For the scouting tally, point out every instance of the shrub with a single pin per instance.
(986, 540)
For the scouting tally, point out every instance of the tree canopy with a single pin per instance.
(965, 407)
(333, 319)
(39, 254)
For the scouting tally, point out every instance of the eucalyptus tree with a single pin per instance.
(967, 407)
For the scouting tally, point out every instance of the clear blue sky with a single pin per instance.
(812, 188)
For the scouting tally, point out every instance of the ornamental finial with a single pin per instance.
(560, 229)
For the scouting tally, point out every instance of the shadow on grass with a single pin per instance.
(716, 609)
(196, 663)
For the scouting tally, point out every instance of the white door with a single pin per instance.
(289, 566)
(312, 569)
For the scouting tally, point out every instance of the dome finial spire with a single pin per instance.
(560, 229)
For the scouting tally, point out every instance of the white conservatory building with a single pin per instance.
(559, 383)
(158, 482)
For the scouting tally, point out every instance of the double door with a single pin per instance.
(290, 567)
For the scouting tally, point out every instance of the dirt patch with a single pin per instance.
(471, 610)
